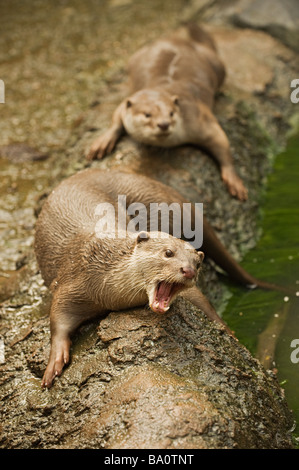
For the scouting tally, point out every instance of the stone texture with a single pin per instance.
(138, 380)
(280, 18)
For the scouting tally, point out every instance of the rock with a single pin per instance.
(139, 380)
(178, 389)
(10, 282)
(162, 411)
(248, 71)
(148, 381)
(280, 18)
(18, 153)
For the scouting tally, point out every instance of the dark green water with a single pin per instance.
(267, 322)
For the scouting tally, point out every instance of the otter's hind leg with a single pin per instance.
(195, 296)
(214, 139)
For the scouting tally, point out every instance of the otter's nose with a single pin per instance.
(163, 125)
(189, 273)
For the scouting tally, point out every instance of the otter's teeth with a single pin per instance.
(158, 308)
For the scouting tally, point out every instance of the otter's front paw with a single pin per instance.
(101, 146)
(55, 366)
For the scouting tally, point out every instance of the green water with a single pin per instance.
(266, 322)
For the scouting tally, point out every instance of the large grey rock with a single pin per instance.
(280, 18)
(141, 381)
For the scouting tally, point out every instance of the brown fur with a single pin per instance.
(89, 276)
(173, 85)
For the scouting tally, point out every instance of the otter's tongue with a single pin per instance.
(163, 294)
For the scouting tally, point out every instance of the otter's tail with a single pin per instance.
(213, 247)
(199, 34)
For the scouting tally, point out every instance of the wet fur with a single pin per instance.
(89, 276)
(173, 86)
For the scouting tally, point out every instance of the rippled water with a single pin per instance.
(267, 322)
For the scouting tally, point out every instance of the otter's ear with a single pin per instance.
(175, 99)
(142, 237)
(201, 255)
(129, 103)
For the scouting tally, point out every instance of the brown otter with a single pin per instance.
(89, 275)
(173, 84)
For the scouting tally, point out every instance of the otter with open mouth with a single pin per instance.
(164, 294)
(94, 276)
(90, 275)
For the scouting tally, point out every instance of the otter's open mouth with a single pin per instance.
(163, 295)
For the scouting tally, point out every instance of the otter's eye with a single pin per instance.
(171, 113)
(169, 253)
(148, 115)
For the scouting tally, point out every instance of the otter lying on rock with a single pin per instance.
(90, 275)
(173, 84)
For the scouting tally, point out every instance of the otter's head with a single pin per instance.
(152, 117)
(167, 266)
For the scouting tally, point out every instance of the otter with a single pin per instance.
(90, 275)
(173, 86)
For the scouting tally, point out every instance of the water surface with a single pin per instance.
(267, 322)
